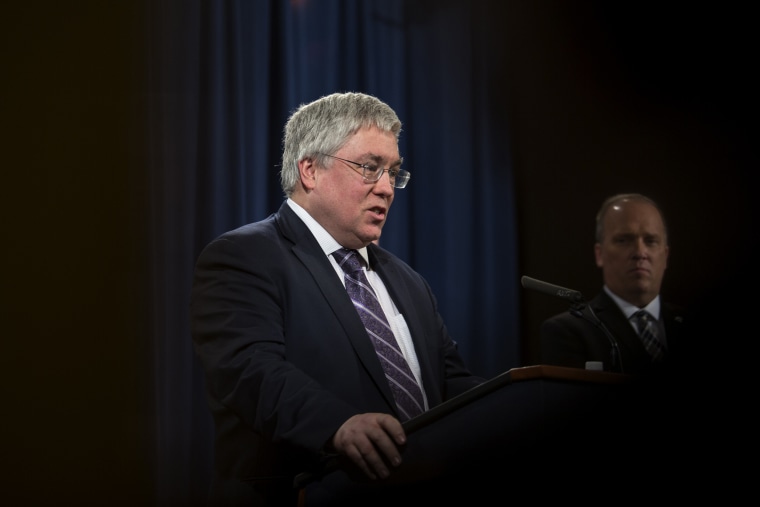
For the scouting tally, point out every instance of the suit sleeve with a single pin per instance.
(238, 327)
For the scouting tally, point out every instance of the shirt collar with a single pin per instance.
(629, 309)
(326, 242)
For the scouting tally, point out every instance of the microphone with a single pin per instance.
(577, 310)
(552, 290)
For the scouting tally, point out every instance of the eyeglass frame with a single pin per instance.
(403, 174)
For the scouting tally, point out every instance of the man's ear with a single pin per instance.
(598, 255)
(307, 169)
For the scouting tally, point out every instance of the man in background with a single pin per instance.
(627, 326)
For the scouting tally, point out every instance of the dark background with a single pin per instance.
(640, 97)
(600, 99)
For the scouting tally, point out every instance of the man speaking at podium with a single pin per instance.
(297, 318)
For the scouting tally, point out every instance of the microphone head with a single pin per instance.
(551, 289)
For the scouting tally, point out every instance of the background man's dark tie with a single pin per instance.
(649, 333)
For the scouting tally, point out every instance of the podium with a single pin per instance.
(530, 427)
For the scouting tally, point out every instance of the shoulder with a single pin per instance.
(673, 309)
(395, 270)
(254, 232)
(272, 230)
(253, 244)
(560, 323)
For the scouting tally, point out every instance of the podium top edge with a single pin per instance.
(565, 373)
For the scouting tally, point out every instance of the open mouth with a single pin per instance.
(378, 212)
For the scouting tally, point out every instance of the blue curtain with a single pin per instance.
(224, 76)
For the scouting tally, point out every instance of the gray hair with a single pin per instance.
(615, 199)
(325, 125)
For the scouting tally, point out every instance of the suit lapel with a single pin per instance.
(615, 320)
(306, 248)
(396, 286)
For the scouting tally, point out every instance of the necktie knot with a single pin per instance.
(348, 260)
(642, 316)
(649, 332)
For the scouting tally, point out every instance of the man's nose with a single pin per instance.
(385, 182)
(640, 249)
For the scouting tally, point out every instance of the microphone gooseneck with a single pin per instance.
(577, 308)
(578, 311)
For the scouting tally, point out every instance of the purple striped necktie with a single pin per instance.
(404, 386)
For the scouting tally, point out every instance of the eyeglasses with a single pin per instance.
(372, 173)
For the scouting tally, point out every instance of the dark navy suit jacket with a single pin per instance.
(571, 340)
(286, 356)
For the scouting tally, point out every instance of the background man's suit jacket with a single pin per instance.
(569, 340)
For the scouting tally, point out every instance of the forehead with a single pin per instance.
(634, 216)
(371, 140)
